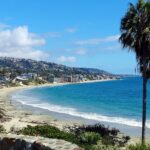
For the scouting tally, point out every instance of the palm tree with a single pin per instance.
(135, 35)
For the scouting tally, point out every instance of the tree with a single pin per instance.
(135, 35)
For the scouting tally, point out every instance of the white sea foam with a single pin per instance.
(74, 112)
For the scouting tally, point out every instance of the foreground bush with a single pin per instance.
(49, 132)
(2, 129)
(139, 147)
(98, 128)
(109, 136)
(95, 137)
(100, 146)
(89, 138)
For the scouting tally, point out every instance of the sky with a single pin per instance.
(77, 33)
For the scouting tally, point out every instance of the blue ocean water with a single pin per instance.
(116, 101)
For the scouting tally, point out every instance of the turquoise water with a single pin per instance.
(117, 101)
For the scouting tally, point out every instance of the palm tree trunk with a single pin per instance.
(144, 107)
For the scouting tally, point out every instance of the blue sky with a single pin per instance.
(80, 33)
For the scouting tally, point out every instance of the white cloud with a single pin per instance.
(98, 40)
(19, 36)
(71, 30)
(19, 42)
(81, 51)
(25, 53)
(66, 59)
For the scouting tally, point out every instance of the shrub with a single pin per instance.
(138, 147)
(90, 137)
(97, 128)
(109, 136)
(2, 129)
(87, 137)
(107, 140)
(48, 131)
(104, 147)
(101, 146)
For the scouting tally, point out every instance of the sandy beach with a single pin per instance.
(16, 119)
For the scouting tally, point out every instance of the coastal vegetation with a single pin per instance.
(2, 129)
(93, 137)
(135, 35)
(138, 147)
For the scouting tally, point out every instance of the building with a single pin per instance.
(19, 80)
(29, 76)
(53, 79)
(67, 78)
(76, 79)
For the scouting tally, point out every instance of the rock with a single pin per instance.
(17, 144)
(22, 142)
(36, 145)
(7, 143)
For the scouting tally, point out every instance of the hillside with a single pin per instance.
(43, 68)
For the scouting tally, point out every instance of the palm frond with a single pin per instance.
(135, 26)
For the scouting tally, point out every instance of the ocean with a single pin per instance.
(115, 101)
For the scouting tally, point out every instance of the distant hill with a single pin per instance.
(43, 67)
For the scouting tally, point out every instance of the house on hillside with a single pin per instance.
(29, 76)
(20, 80)
(67, 78)
(76, 78)
(53, 79)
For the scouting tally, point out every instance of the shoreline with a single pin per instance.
(17, 118)
(22, 118)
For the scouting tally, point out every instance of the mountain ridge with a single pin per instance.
(28, 65)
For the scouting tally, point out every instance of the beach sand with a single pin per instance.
(16, 119)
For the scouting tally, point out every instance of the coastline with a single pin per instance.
(19, 118)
